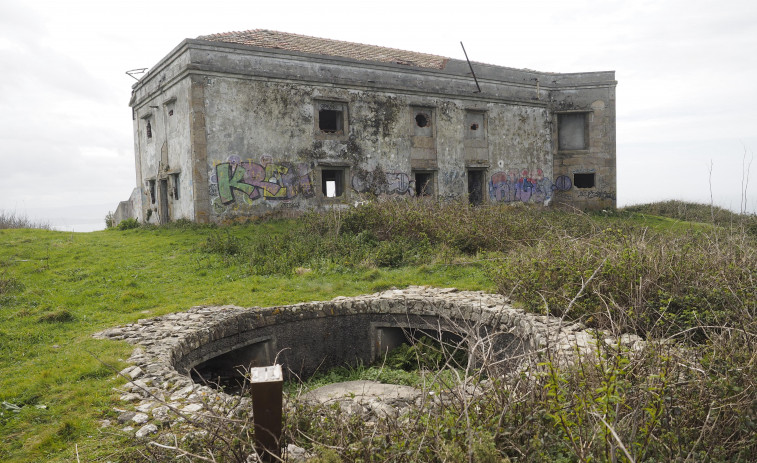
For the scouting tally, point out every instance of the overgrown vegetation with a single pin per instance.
(660, 403)
(14, 220)
(667, 272)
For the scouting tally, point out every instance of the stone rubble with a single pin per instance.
(156, 393)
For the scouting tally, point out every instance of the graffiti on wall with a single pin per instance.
(525, 186)
(267, 180)
(593, 194)
(379, 182)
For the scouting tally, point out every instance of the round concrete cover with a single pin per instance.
(363, 391)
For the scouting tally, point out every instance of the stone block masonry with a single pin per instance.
(306, 335)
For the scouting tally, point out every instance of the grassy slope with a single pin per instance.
(56, 289)
(72, 285)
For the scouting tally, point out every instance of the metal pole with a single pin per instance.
(266, 388)
(471, 67)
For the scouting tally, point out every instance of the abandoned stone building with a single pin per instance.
(243, 123)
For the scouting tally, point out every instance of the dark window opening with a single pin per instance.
(170, 112)
(175, 186)
(424, 184)
(163, 201)
(421, 120)
(330, 121)
(571, 131)
(476, 187)
(583, 180)
(151, 187)
(474, 126)
(332, 183)
(148, 130)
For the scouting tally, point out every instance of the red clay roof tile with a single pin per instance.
(302, 43)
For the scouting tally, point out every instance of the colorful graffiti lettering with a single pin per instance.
(593, 194)
(267, 180)
(525, 186)
(380, 182)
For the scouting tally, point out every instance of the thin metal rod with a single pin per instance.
(471, 67)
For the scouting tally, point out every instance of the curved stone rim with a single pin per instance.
(165, 343)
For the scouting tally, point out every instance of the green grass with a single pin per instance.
(57, 289)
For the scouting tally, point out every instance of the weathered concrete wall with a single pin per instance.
(268, 130)
(598, 157)
(163, 154)
(164, 168)
(246, 135)
(127, 209)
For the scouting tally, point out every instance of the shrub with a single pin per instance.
(58, 316)
(128, 224)
(12, 220)
(634, 279)
(224, 243)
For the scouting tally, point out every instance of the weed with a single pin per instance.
(110, 219)
(58, 316)
(128, 224)
(13, 220)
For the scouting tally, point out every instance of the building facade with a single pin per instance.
(241, 124)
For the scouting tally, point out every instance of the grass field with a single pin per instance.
(57, 289)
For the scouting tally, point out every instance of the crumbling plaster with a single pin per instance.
(253, 114)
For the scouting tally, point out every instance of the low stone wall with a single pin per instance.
(320, 334)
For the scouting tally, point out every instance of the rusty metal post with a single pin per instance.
(266, 389)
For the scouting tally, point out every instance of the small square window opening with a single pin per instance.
(330, 121)
(332, 182)
(583, 180)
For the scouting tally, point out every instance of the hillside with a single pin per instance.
(631, 271)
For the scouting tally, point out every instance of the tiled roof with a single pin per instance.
(302, 43)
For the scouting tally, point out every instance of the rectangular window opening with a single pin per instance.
(571, 131)
(332, 182)
(424, 184)
(583, 180)
(175, 186)
(151, 188)
(476, 187)
(330, 121)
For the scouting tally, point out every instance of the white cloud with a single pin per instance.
(684, 69)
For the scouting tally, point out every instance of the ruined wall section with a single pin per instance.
(587, 163)
(162, 120)
(266, 149)
(239, 131)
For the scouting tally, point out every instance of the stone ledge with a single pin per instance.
(156, 386)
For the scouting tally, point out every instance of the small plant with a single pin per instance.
(13, 220)
(58, 316)
(128, 224)
(110, 220)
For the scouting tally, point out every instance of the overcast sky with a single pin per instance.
(686, 71)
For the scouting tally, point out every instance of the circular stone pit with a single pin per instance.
(314, 336)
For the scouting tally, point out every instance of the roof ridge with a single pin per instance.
(267, 38)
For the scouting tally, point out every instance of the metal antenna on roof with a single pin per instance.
(131, 72)
(471, 67)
